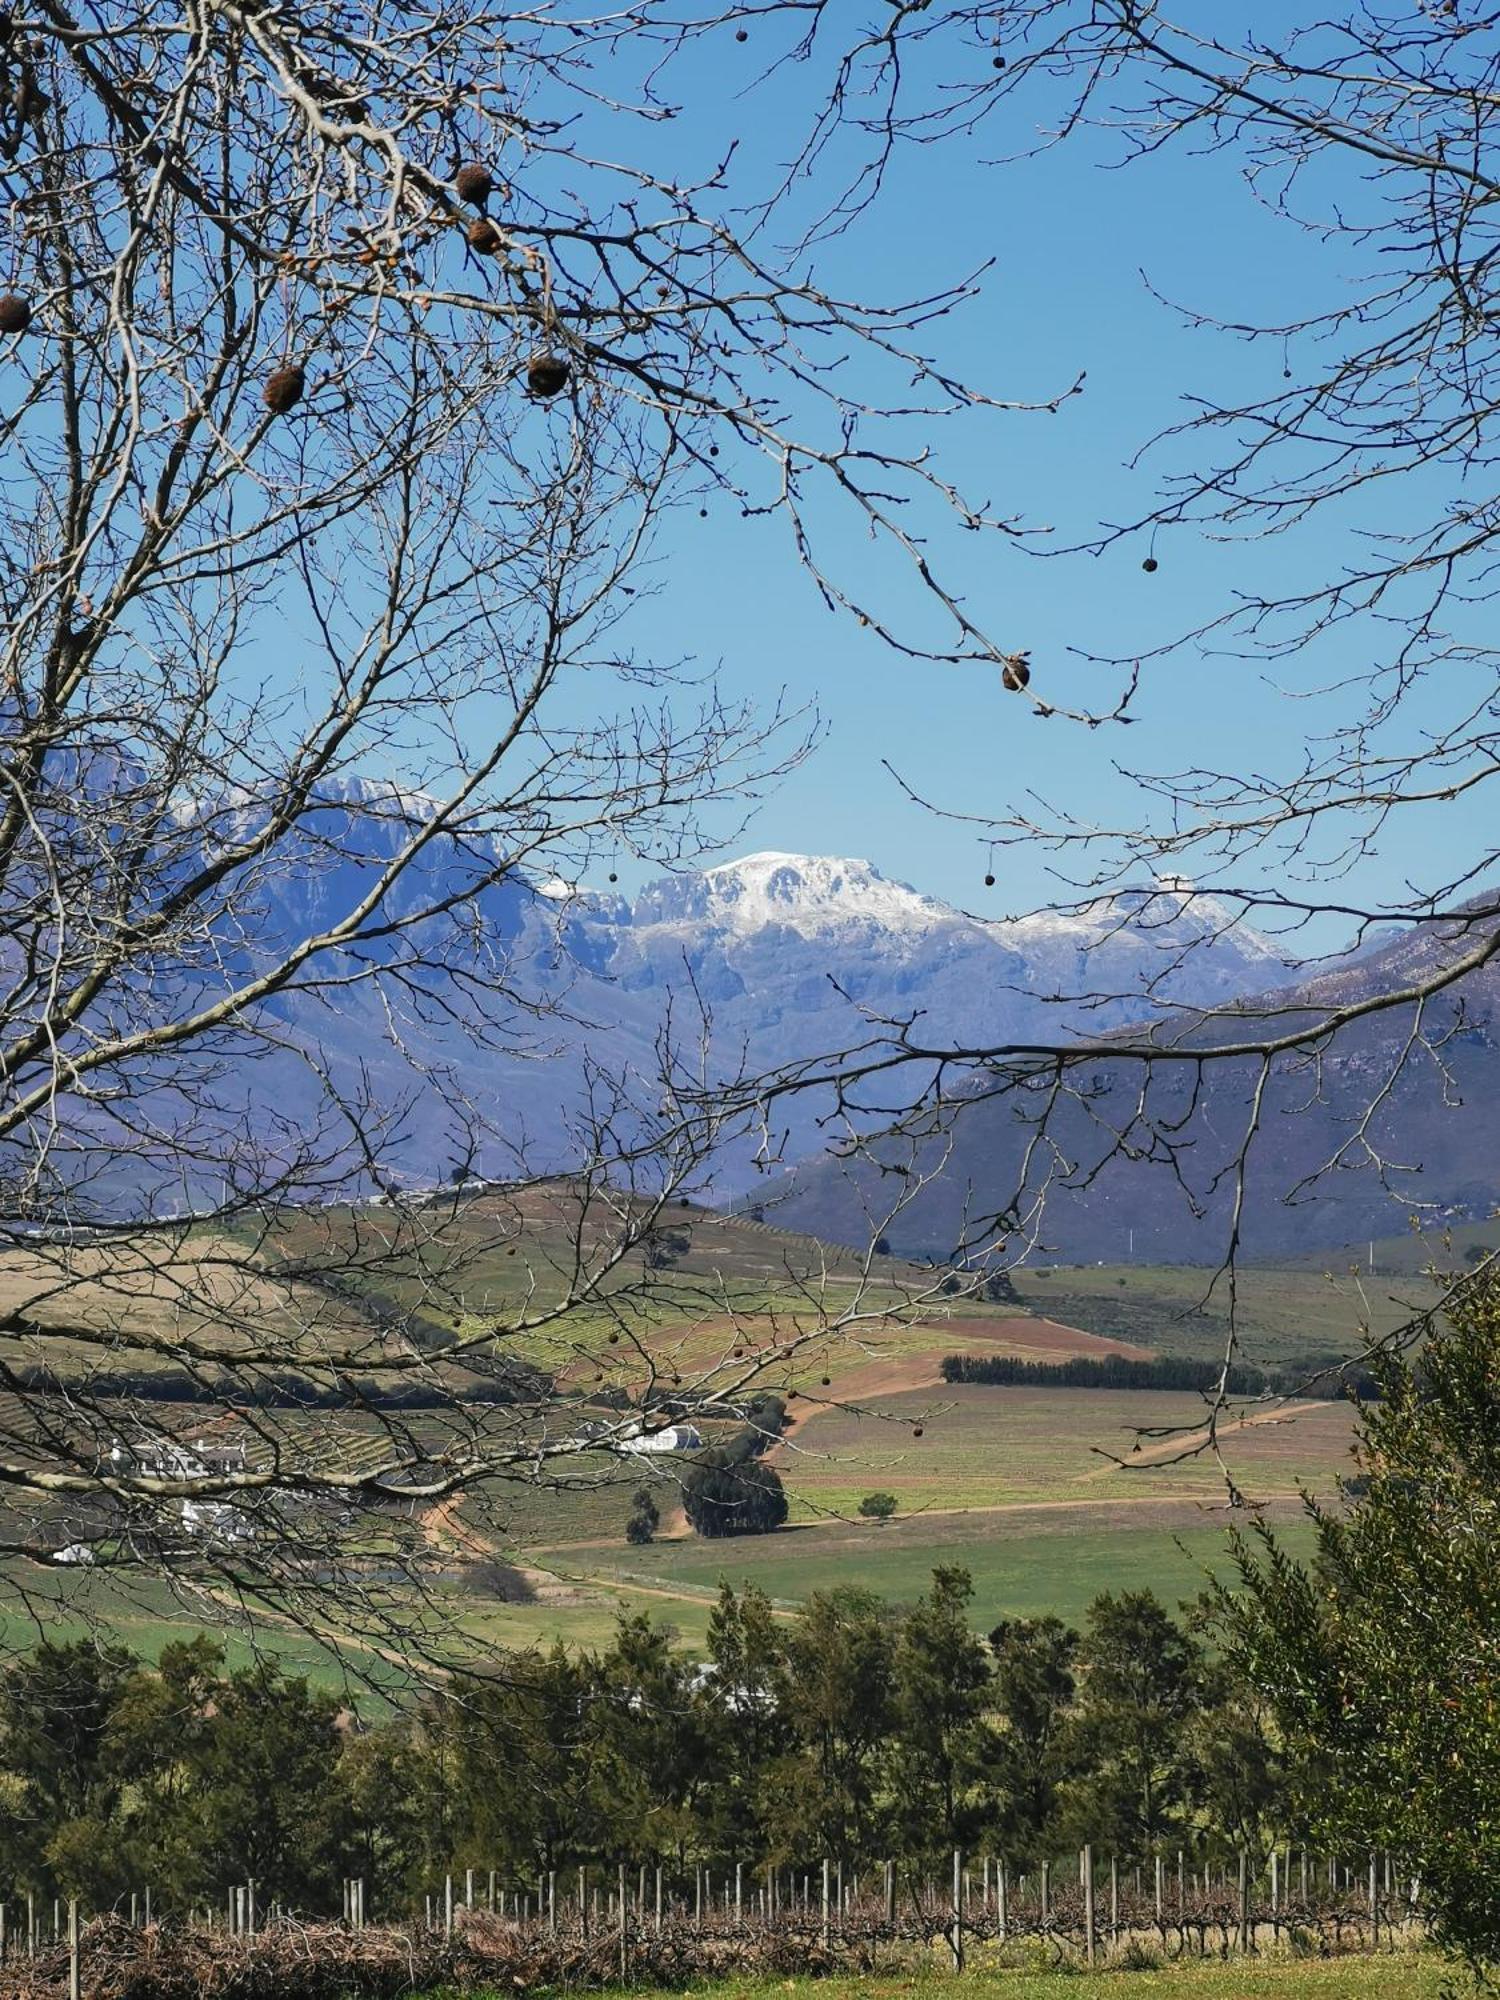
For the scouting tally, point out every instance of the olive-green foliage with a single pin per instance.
(726, 1494)
(186, 1777)
(855, 1730)
(1381, 1655)
(1141, 1684)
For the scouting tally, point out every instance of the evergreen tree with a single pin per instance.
(1033, 1693)
(944, 1759)
(266, 1781)
(1140, 1681)
(1379, 1656)
(744, 1701)
(725, 1495)
(826, 1797)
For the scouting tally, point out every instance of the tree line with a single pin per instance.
(857, 1730)
(1312, 1375)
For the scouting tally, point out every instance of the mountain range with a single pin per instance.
(777, 958)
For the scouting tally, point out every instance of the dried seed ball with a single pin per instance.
(989, 881)
(511, 1251)
(1016, 673)
(474, 183)
(997, 62)
(916, 1430)
(547, 374)
(1150, 565)
(742, 34)
(15, 313)
(613, 876)
(484, 238)
(827, 1381)
(739, 1354)
(614, 1340)
(283, 390)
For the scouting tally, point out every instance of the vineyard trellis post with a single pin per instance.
(1086, 1865)
(958, 1910)
(1275, 1896)
(623, 1931)
(1114, 1896)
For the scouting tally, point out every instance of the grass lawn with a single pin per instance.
(1398, 1977)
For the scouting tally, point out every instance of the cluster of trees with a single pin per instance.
(1312, 1375)
(857, 1730)
(728, 1490)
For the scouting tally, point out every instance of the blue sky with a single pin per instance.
(1074, 245)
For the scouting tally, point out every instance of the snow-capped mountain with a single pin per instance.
(790, 956)
(796, 954)
(815, 895)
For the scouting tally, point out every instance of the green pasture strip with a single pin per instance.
(1023, 1566)
(1398, 1976)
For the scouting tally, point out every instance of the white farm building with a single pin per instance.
(674, 1437)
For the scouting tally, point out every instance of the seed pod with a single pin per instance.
(484, 238)
(916, 1430)
(475, 183)
(15, 313)
(547, 374)
(283, 390)
(827, 1381)
(1149, 565)
(989, 881)
(1015, 671)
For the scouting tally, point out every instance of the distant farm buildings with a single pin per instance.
(673, 1437)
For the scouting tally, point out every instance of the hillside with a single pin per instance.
(1388, 1121)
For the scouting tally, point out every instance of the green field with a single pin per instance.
(1321, 1306)
(1396, 1976)
(1014, 1483)
(1022, 1565)
(1008, 1482)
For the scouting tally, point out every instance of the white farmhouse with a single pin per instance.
(674, 1437)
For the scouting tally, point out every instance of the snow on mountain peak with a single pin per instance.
(807, 893)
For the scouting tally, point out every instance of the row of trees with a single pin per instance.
(857, 1730)
(1312, 1375)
